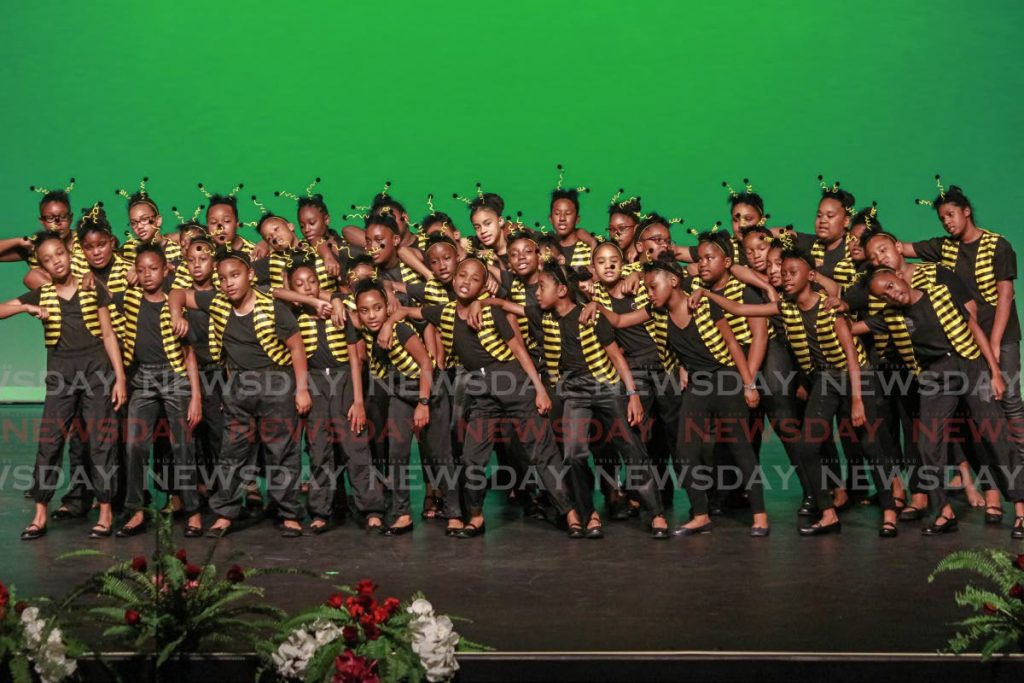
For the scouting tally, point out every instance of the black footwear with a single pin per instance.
(431, 508)
(594, 532)
(1018, 527)
(398, 530)
(317, 529)
(934, 529)
(32, 532)
(617, 510)
(660, 533)
(215, 532)
(993, 517)
(888, 530)
(288, 531)
(845, 506)
(760, 531)
(575, 531)
(100, 531)
(911, 514)
(822, 530)
(63, 514)
(193, 531)
(471, 531)
(704, 528)
(452, 531)
(129, 531)
(808, 508)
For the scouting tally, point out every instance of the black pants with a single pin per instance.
(333, 448)
(948, 383)
(159, 405)
(77, 397)
(714, 417)
(259, 410)
(779, 404)
(587, 403)
(209, 433)
(828, 400)
(399, 397)
(503, 410)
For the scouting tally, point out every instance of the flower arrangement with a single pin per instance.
(999, 622)
(355, 638)
(170, 605)
(29, 642)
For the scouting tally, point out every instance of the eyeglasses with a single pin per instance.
(56, 219)
(146, 220)
(658, 239)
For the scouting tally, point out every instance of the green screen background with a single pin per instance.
(666, 99)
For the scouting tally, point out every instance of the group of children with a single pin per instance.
(624, 362)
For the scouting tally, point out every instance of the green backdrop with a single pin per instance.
(666, 99)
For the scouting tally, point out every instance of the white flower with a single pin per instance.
(49, 656)
(33, 626)
(434, 641)
(420, 608)
(293, 655)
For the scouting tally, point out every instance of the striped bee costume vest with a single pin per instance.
(953, 323)
(709, 332)
(50, 300)
(846, 271)
(630, 268)
(487, 334)
(336, 340)
(434, 293)
(924, 278)
(327, 282)
(409, 276)
(824, 333)
(984, 273)
(581, 255)
(398, 355)
(277, 264)
(263, 323)
(737, 323)
(593, 353)
(172, 345)
(656, 325)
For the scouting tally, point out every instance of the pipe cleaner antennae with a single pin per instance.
(826, 188)
(260, 205)
(70, 186)
(237, 188)
(479, 190)
(177, 214)
(359, 208)
(43, 190)
(142, 186)
(309, 188)
(122, 193)
(286, 194)
(693, 231)
(94, 213)
(715, 227)
(464, 200)
(938, 183)
(870, 215)
(732, 193)
(676, 221)
(199, 210)
(615, 197)
(387, 186)
(364, 216)
(206, 193)
(430, 204)
(561, 176)
(748, 186)
(583, 188)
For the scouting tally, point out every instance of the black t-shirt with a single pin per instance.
(199, 331)
(322, 358)
(403, 331)
(75, 337)
(241, 348)
(149, 343)
(637, 345)
(688, 346)
(857, 295)
(1004, 265)
(571, 360)
(831, 258)
(567, 252)
(926, 333)
(466, 341)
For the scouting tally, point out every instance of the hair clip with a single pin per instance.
(43, 190)
(825, 188)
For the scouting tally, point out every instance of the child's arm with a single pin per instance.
(736, 308)
(14, 307)
(195, 403)
(634, 406)
(119, 393)
(357, 413)
(303, 401)
(845, 336)
(518, 347)
(414, 345)
(750, 394)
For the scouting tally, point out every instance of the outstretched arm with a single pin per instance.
(735, 307)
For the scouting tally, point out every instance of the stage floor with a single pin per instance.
(526, 587)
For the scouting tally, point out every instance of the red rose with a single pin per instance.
(139, 564)
(1017, 591)
(336, 601)
(392, 604)
(20, 606)
(5, 595)
(182, 555)
(350, 634)
(381, 614)
(371, 631)
(1019, 562)
(132, 617)
(350, 668)
(193, 571)
(236, 574)
(366, 587)
(989, 608)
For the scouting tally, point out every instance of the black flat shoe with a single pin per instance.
(129, 531)
(618, 511)
(935, 529)
(1018, 527)
(398, 530)
(594, 532)
(760, 531)
(888, 530)
(704, 528)
(471, 531)
(61, 515)
(193, 531)
(911, 514)
(32, 532)
(317, 529)
(808, 508)
(660, 533)
(575, 531)
(221, 532)
(822, 530)
(452, 531)
(100, 531)
(993, 517)
(289, 532)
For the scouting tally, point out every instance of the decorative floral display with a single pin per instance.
(29, 642)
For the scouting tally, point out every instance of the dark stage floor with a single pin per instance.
(528, 588)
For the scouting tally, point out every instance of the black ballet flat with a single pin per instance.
(888, 530)
(32, 532)
(100, 531)
(576, 531)
(289, 532)
(398, 530)
(61, 515)
(808, 508)
(660, 533)
(822, 530)
(214, 532)
(317, 529)
(1018, 527)
(993, 517)
(760, 531)
(452, 531)
(594, 533)
(129, 531)
(704, 528)
(471, 531)
(911, 514)
(934, 529)
(193, 531)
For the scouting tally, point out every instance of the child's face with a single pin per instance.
(441, 259)
(890, 288)
(144, 221)
(621, 229)
(98, 248)
(222, 222)
(712, 263)
(55, 217)
(549, 291)
(235, 279)
(54, 258)
(756, 248)
(744, 216)
(373, 310)
(200, 261)
(660, 285)
(774, 264)
(523, 257)
(469, 280)
(832, 220)
(151, 270)
(278, 234)
(363, 271)
(304, 281)
(313, 223)
(608, 264)
(796, 275)
(381, 243)
(488, 226)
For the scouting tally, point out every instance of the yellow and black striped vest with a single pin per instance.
(630, 268)
(824, 333)
(845, 273)
(398, 355)
(336, 340)
(488, 336)
(172, 250)
(409, 276)
(656, 325)
(924, 278)
(953, 323)
(984, 273)
(277, 264)
(737, 323)
(593, 353)
(581, 255)
(709, 332)
(50, 300)
(517, 294)
(434, 293)
(172, 345)
(327, 283)
(263, 323)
